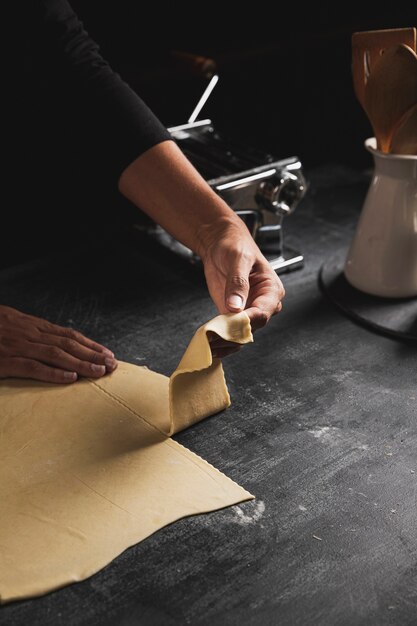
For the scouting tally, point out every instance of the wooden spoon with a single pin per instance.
(391, 91)
(404, 136)
(367, 47)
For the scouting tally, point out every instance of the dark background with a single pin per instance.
(285, 70)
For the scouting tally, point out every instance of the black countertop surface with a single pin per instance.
(322, 430)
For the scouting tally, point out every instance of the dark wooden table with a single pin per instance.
(322, 429)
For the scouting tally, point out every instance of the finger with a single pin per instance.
(78, 350)
(19, 367)
(56, 357)
(220, 353)
(70, 333)
(260, 317)
(237, 284)
(266, 294)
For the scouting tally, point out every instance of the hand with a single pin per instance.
(31, 347)
(164, 184)
(240, 278)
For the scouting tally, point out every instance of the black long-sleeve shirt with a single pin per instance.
(72, 126)
(62, 58)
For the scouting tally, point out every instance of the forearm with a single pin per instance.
(167, 187)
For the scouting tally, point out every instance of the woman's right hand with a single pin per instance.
(31, 347)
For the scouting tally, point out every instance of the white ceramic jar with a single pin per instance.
(382, 258)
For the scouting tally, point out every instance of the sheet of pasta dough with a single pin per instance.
(88, 470)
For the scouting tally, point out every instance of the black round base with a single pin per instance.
(390, 316)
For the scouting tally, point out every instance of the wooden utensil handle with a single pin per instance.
(367, 47)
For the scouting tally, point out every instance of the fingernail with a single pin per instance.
(110, 363)
(98, 369)
(70, 376)
(109, 352)
(235, 301)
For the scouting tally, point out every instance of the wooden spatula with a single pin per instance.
(390, 91)
(404, 136)
(367, 47)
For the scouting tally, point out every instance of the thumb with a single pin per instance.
(237, 287)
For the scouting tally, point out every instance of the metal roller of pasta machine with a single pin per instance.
(260, 188)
